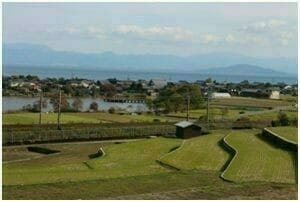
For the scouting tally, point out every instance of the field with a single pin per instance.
(100, 117)
(250, 102)
(290, 133)
(272, 115)
(132, 167)
(127, 159)
(201, 152)
(257, 160)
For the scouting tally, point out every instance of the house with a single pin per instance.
(188, 129)
(220, 95)
(274, 93)
(158, 83)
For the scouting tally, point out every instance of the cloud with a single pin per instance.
(155, 33)
(263, 26)
(209, 38)
(75, 32)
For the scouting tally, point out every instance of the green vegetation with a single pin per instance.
(250, 102)
(257, 160)
(171, 185)
(100, 117)
(128, 159)
(272, 115)
(132, 167)
(201, 152)
(290, 133)
(175, 98)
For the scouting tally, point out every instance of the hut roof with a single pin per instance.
(184, 124)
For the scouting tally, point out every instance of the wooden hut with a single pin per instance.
(187, 129)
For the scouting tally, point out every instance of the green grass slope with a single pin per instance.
(201, 152)
(257, 160)
(126, 159)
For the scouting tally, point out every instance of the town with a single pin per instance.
(31, 86)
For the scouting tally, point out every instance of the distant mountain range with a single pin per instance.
(212, 63)
(244, 69)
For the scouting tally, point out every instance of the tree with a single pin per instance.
(111, 110)
(54, 100)
(94, 106)
(174, 98)
(77, 104)
(283, 119)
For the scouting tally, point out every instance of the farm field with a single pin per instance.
(290, 133)
(250, 102)
(201, 152)
(272, 115)
(100, 117)
(127, 159)
(215, 112)
(257, 160)
(195, 184)
(131, 167)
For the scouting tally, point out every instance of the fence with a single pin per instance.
(101, 133)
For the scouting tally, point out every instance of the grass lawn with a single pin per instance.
(127, 159)
(258, 160)
(287, 132)
(100, 117)
(201, 152)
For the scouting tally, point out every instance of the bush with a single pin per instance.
(94, 106)
(283, 119)
(241, 112)
(242, 123)
(275, 123)
(156, 120)
(294, 122)
(112, 110)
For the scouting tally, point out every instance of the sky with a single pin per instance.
(253, 29)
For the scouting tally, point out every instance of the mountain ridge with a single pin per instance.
(41, 55)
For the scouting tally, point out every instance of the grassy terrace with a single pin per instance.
(129, 170)
(201, 152)
(290, 133)
(258, 160)
(100, 117)
(127, 159)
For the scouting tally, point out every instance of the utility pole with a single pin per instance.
(41, 106)
(207, 109)
(188, 108)
(58, 114)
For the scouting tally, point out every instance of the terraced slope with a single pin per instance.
(257, 160)
(126, 159)
(289, 133)
(201, 152)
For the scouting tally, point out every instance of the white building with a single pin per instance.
(220, 95)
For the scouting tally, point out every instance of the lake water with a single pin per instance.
(171, 76)
(16, 103)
